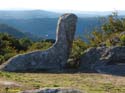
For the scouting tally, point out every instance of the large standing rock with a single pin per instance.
(55, 57)
(53, 90)
(104, 60)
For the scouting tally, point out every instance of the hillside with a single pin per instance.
(4, 28)
(12, 31)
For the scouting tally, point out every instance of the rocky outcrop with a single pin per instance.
(52, 59)
(53, 90)
(104, 60)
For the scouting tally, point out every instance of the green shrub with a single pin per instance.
(109, 32)
(1, 59)
(40, 45)
(122, 38)
(77, 50)
(108, 43)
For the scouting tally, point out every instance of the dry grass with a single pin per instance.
(92, 83)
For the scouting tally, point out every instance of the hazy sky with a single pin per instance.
(81, 5)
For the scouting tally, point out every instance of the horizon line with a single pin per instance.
(59, 10)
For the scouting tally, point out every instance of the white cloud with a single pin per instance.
(82, 5)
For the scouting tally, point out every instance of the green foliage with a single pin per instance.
(114, 24)
(77, 50)
(7, 50)
(108, 34)
(122, 38)
(1, 59)
(108, 43)
(96, 38)
(43, 45)
(25, 43)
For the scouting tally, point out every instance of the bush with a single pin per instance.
(40, 45)
(77, 50)
(25, 43)
(1, 59)
(109, 32)
(122, 38)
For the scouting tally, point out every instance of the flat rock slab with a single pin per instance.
(53, 90)
(9, 84)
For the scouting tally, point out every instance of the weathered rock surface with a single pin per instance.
(9, 83)
(55, 57)
(104, 60)
(53, 90)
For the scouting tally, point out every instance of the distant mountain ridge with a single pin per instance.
(31, 14)
(92, 13)
(98, 13)
(12, 31)
(43, 24)
(27, 14)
